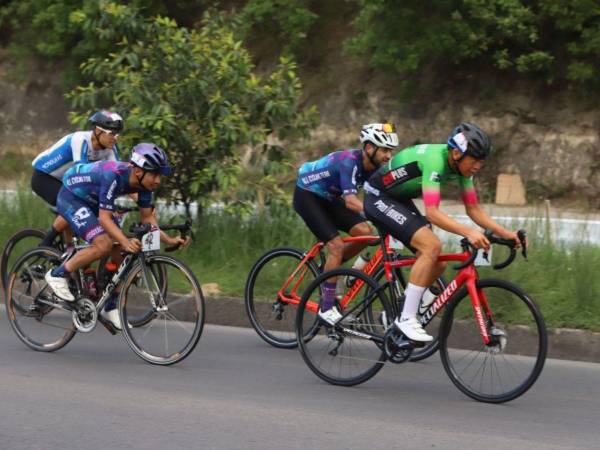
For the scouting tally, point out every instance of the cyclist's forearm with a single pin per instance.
(353, 203)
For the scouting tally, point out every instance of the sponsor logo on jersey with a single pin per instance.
(52, 161)
(79, 179)
(435, 177)
(395, 175)
(111, 190)
(313, 177)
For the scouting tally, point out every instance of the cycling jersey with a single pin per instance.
(74, 148)
(336, 174)
(99, 184)
(422, 169)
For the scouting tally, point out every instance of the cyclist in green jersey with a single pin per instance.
(423, 170)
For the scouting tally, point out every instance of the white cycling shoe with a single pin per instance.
(413, 330)
(60, 286)
(113, 317)
(331, 316)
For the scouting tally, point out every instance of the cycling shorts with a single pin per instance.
(399, 218)
(82, 217)
(46, 186)
(324, 217)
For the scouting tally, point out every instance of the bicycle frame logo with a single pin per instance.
(439, 302)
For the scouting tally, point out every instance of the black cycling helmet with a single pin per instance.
(470, 140)
(107, 120)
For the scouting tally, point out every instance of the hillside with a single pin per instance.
(547, 134)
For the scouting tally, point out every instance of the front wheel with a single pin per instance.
(177, 313)
(508, 366)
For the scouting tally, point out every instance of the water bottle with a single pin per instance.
(359, 263)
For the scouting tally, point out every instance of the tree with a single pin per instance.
(193, 91)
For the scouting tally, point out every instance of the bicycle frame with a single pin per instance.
(467, 275)
(293, 297)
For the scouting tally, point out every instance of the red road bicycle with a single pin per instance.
(271, 305)
(492, 337)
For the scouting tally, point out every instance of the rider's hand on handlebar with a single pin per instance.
(478, 239)
(132, 246)
(181, 242)
(515, 237)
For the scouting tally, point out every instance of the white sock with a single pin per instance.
(413, 296)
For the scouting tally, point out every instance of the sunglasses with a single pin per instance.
(110, 132)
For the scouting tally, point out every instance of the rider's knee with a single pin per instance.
(335, 245)
(361, 229)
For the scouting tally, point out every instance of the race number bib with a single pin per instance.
(151, 240)
(395, 244)
(481, 260)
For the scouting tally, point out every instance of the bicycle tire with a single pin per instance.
(520, 341)
(10, 245)
(274, 321)
(22, 276)
(330, 347)
(177, 316)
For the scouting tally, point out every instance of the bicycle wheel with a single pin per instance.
(351, 352)
(272, 316)
(432, 327)
(176, 326)
(35, 316)
(143, 317)
(16, 245)
(508, 366)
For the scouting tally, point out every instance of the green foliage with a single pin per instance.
(288, 20)
(70, 31)
(540, 37)
(194, 93)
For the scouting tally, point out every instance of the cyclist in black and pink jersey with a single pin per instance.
(421, 171)
(326, 198)
(87, 202)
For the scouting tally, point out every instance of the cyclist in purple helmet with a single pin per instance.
(87, 202)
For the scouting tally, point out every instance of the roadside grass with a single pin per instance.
(563, 280)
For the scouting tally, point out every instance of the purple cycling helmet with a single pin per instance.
(151, 158)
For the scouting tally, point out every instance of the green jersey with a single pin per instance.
(420, 170)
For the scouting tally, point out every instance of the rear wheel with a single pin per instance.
(509, 365)
(351, 352)
(38, 319)
(16, 245)
(271, 315)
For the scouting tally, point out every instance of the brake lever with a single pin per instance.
(522, 234)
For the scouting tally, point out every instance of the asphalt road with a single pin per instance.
(235, 392)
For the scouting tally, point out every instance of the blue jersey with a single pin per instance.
(336, 174)
(73, 148)
(99, 184)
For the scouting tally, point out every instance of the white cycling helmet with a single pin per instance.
(379, 134)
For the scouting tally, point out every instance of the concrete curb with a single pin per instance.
(563, 343)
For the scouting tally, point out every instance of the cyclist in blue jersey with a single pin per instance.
(326, 197)
(86, 201)
(97, 144)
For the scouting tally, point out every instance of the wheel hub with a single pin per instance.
(85, 315)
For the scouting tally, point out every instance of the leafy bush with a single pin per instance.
(194, 93)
